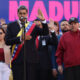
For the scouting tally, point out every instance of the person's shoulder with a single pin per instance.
(7, 47)
(11, 23)
(66, 33)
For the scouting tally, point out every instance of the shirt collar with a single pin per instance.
(19, 22)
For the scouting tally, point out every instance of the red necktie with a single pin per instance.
(37, 42)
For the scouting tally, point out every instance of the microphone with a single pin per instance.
(22, 18)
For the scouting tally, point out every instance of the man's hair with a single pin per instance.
(64, 20)
(22, 8)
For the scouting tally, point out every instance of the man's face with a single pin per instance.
(22, 13)
(74, 26)
(65, 26)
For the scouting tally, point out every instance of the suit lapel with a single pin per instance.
(18, 26)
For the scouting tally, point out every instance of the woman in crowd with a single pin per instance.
(4, 57)
(56, 75)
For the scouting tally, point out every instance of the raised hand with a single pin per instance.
(40, 15)
(51, 25)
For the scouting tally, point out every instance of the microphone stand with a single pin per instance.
(23, 32)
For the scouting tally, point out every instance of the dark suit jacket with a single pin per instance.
(30, 49)
(44, 52)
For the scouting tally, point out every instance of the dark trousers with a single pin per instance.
(31, 71)
(60, 76)
(44, 74)
(18, 71)
(72, 73)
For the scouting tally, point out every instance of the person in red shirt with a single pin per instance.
(68, 52)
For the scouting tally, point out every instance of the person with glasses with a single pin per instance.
(4, 57)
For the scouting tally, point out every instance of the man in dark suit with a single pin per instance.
(42, 44)
(13, 37)
(45, 63)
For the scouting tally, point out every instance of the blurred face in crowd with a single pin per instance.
(56, 28)
(74, 26)
(4, 26)
(2, 34)
(22, 13)
(65, 26)
(53, 25)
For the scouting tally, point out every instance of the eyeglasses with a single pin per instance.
(1, 33)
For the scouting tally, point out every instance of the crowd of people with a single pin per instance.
(39, 50)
